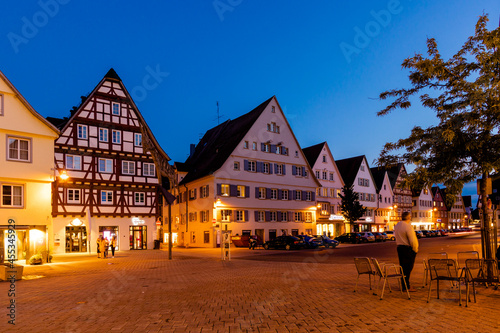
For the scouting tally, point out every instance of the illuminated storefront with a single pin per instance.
(27, 241)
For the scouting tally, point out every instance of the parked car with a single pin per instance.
(350, 237)
(284, 242)
(327, 241)
(443, 232)
(419, 234)
(310, 242)
(380, 236)
(426, 233)
(367, 237)
(390, 235)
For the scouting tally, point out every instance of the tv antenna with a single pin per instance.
(218, 115)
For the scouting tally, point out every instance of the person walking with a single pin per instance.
(407, 247)
(113, 245)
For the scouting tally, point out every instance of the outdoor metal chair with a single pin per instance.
(363, 266)
(435, 255)
(463, 256)
(390, 271)
(447, 270)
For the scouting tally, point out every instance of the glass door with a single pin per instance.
(138, 239)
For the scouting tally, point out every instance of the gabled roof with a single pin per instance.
(312, 153)
(58, 122)
(218, 143)
(378, 175)
(28, 105)
(349, 168)
(111, 75)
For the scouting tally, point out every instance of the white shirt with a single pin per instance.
(405, 235)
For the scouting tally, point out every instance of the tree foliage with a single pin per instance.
(352, 210)
(464, 91)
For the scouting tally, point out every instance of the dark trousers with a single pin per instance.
(112, 250)
(406, 260)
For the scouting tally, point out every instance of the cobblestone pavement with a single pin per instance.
(142, 291)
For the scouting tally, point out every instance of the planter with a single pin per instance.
(6, 272)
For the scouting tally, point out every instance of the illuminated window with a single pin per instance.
(224, 188)
(240, 191)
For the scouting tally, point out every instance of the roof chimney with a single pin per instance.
(192, 147)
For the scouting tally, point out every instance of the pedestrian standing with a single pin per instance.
(113, 245)
(105, 245)
(99, 240)
(407, 247)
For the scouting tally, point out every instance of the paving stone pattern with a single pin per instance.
(142, 291)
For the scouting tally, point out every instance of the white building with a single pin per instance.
(329, 218)
(422, 211)
(356, 171)
(246, 175)
(385, 217)
(27, 171)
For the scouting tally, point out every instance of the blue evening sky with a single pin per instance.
(326, 61)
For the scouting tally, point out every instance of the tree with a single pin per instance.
(352, 210)
(464, 91)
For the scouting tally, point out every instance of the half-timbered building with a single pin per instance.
(111, 159)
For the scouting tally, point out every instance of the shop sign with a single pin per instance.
(335, 217)
(137, 221)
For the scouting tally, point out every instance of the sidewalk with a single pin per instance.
(142, 291)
